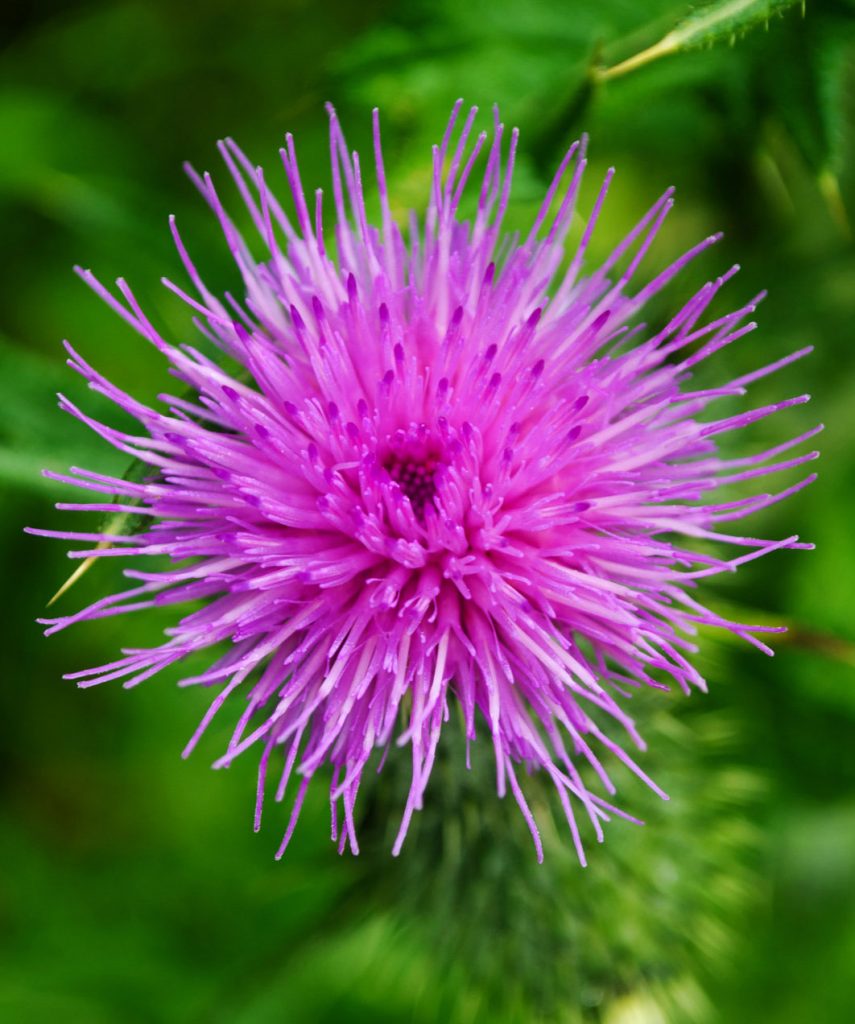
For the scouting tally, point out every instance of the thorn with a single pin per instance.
(78, 572)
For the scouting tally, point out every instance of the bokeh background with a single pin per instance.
(132, 888)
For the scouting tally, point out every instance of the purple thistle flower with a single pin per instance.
(458, 472)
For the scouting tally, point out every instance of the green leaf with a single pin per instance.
(811, 99)
(706, 25)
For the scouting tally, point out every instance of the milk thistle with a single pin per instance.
(453, 476)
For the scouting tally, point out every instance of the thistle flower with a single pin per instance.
(453, 474)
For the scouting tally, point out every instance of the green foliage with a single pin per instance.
(706, 24)
(716, 20)
(34, 435)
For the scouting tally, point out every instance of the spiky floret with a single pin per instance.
(452, 473)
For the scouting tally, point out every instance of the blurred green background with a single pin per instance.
(131, 886)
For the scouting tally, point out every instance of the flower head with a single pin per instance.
(452, 473)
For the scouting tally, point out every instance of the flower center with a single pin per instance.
(415, 475)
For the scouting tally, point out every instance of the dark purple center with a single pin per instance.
(415, 477)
